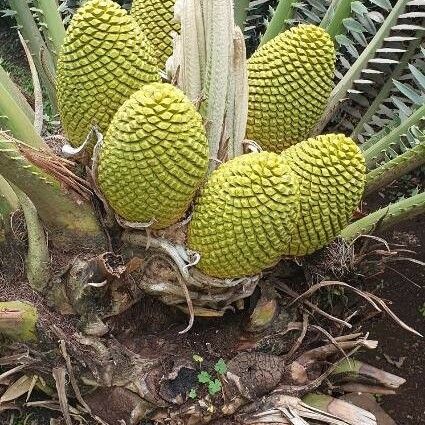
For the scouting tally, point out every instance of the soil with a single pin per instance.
(395, 344)
(407, 407)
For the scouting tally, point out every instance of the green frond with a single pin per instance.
(337, 12)
(380, 108)
(15, 113)
(63, 216)
(241, 12)
(43, 57)
(398, 139)
(280, 20)
(402, 210)
(309, 12)
(8, 199)
(400, 165)
(376, 47)
(258, 16)
(50, 22)
(16, 93)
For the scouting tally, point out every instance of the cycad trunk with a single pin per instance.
(122, 355)
(74, 276)
(136, 365)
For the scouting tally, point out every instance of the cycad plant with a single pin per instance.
(188, 178)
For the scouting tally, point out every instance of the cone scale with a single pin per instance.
(104, 59)
(156, 20)
(290, 80)
(332, 173)
(154, 156)
(245, 215)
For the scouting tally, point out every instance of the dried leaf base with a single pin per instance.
(111, 343)
(168, 273)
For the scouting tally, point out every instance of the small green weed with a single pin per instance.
(210, 380)
(422, 310)
(193, 394)
(378, 398)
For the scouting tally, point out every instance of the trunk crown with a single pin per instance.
(290, 80)
(245, 215)
(154, 157)
(104, 59)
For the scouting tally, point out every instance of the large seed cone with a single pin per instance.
(290, 79)
(245, 215)
(332, 173)
(156, 20)
(104, 59)
(154, 156)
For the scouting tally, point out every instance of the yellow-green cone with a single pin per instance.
(332, 173)
(154, 156)
(245, 215)
(103, 60)
(156, 20)
(290, 79)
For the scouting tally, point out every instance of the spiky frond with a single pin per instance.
(397, 125)
(370, 57)
(258, 16)
(400, 97)
(309, 11)
(400, 162)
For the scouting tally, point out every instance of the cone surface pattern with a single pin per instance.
(156, 19)
(103, 60)
(245, 215)
(290, 79)
(154, 156)
(332, 173)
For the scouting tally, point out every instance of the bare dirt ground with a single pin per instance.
(396, 345)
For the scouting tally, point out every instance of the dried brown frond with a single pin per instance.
(58, 167)
(376, 255)
(335, 261)
(377, 303)
(367, 257)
